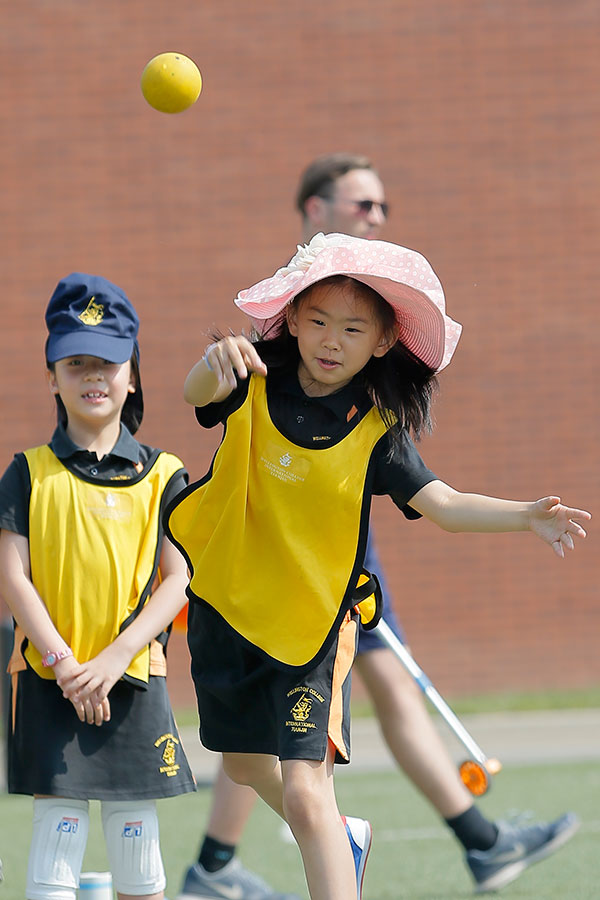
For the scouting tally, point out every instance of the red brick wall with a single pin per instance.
(483, 120)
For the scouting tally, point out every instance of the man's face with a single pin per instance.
(344, 212)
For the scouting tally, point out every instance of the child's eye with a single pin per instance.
(354, 330)
(318, 322)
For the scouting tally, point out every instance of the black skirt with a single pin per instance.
(136, 755)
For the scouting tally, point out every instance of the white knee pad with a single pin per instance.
(133, 847)
(60, 830)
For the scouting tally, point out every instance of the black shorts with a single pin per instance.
(248, 705)
(136, 755)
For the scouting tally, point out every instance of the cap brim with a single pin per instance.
(113, 349)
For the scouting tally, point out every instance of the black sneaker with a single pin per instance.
(517, 847)
(232, 882)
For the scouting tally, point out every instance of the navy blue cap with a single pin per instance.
(89, 315)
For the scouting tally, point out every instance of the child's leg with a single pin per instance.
(261, 772)
(133, 848)
(312, 813)
(301, 791)
(60, 830)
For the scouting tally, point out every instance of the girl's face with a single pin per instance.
(338, 332)
(93, 390)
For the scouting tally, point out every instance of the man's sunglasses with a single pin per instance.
(364, 207)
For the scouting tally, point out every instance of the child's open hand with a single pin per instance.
(232, 354)
(557, 524)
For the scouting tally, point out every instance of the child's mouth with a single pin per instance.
(327, 363)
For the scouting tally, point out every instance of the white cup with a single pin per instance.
(95, 886)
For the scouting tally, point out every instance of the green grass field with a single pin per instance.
(413, 856)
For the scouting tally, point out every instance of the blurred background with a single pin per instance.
(483, 119)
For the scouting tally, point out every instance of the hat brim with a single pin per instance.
(112, 349)
(403, 277)
(422, 327)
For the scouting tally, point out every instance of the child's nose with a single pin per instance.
(331, 340)
(94, 373)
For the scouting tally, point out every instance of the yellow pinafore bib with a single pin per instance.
(94, 552)
(275, 534)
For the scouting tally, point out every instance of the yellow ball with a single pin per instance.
(171, 82)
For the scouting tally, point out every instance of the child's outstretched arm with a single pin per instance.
(553, 522)
(213, 377)
(96, 677)
(30, 612)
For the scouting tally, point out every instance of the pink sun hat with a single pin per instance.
(402, 277)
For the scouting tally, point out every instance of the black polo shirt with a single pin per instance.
(322, 421)
(127, 461)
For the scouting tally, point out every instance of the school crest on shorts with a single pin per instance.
(302, 709)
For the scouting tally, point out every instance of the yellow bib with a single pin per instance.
(94, 552)
(275, 534)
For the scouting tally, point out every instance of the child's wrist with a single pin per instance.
(51, 658)
(529, 515)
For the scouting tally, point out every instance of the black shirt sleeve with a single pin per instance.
(210, 415)
(15, 491)
(400, 473)
(178, 482)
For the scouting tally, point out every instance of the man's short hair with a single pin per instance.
(321, 174)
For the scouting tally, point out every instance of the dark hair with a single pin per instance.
(320, 176)
(399, 383)
(133, 409)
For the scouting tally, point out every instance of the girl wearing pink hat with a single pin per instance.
(318, 409)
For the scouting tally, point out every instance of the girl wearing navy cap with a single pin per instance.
(92, 588)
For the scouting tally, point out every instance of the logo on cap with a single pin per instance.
(93, 313)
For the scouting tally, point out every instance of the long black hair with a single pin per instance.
(399, 383)
(133, 409)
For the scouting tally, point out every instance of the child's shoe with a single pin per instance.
(360, 835)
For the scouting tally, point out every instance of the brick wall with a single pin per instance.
(483, 120)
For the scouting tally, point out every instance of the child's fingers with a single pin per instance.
(93, 714)
(101, 712)
(90, 712)
(579, 514)
(575, 528)
(80, 710)
(254, 362)
(234, 354)
(244, 357)
(79, 689)
(567, 540)
(225, 358)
